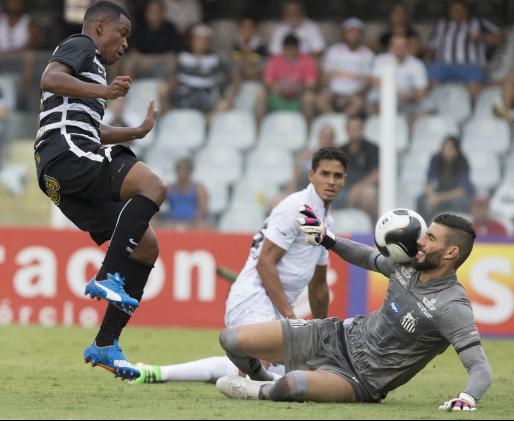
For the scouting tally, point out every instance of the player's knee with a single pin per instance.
(290, 388)
(229, 341)
(158, 190)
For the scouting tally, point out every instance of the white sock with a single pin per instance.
(205, 370)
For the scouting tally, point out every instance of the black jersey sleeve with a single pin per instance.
(75, 52)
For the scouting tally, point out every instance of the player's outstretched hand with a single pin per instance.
(149, 121)
(118, 87)
(315, 232)
(464, 402)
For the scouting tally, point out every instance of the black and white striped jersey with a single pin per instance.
(453, 41)
(67, 123)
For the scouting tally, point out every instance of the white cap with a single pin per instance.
(353, 23)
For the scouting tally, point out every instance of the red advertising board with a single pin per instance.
(43, 274)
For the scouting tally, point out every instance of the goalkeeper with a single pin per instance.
(363, 359)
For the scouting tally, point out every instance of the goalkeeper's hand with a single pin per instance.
(315, 232)
(464, 402)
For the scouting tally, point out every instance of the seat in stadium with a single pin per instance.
(163, 164)
(338, 123)
(351, 221)
(247, 95)
(453, 100)
(430, 131)
(273, 165)
(486, 134)
(218, 195)
(485, 170)
(181, 129)
(502, 202)
(487, 98)
(372, 131)
(254, 190)
(141, 92)
(8, 85)
(233, 129)
(245, 220)
(224, 165)
(413, 177)
(284, 130)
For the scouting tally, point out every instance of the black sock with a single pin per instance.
(136, 275)
(132, 224)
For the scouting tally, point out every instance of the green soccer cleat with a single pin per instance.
(149, 374)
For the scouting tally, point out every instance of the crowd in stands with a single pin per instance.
(293, 69)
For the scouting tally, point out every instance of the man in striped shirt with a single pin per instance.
(458, 46)
(100, 185)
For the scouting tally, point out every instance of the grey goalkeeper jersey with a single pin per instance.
(416, 323)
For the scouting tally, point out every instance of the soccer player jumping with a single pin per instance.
(364, 358)
(97, 184)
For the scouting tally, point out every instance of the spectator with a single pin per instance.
(295, 22)
(399, 24)
(346, 69)
(300, 179)
(249, 50)
(411, 77)
(459, 47)
(187, 200)
(504, 110)
(448, 186)
(291, 78)
(200, 78)
(184, 14)
(483, 223)
(361, 187)
(248, 54)
(155, 43)
(19, 36)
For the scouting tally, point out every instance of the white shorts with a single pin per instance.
(249, 309)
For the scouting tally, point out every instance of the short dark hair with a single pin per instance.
(329, 154)
(291, 40)
(460, 233)
(110, 10)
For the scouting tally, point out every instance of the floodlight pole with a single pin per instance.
(388, 155)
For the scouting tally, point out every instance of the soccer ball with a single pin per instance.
(397, 233)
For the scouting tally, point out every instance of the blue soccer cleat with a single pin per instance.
(112, 359)
(112, 290)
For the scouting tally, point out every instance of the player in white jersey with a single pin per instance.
(279, 268)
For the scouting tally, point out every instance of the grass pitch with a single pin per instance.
(44, 377)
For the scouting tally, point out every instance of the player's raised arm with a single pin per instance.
(355, 253)
(112, 135)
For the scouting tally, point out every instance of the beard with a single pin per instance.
(431, 262)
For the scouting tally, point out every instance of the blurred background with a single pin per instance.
(247, 90)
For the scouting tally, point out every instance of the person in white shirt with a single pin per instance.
(279, 268)
(346, 70)
(295, 22)
(411, 77)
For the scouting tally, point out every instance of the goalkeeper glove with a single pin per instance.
(315, 232)
(464, 402)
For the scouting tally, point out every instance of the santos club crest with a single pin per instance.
(409, 323)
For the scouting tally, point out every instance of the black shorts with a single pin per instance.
(88, 191)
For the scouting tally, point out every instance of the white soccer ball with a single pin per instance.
(397, 233)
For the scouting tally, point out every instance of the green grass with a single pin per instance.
(44, 377)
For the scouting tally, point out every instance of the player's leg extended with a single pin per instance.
(143, 192)
(315, 386)
(295, 386)
(204, 370)
(247, 345)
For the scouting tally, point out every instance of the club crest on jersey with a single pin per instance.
(409, 322)
(52, 189)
